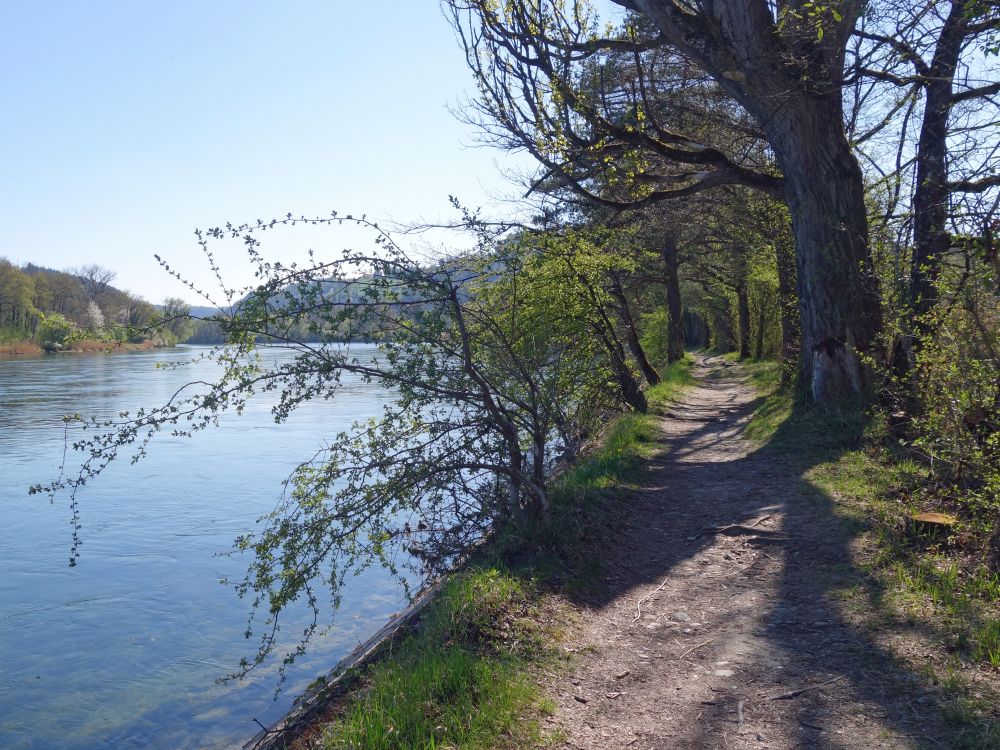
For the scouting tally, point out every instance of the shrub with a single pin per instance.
(55, 331)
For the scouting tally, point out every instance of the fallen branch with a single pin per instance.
(694, 648)
(738, 529)
(800, 691)
(736, 571)
(638, 604)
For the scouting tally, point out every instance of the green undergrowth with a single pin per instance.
(673, 380)
(631, 438)
(466, 677)
(462, 679)
(911, 583)
(587, 499)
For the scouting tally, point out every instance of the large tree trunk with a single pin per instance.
(631, 334)
(743, 316)
(785, 259)
(930, 194)
(789, 78)
(675, 325)
(838, 297)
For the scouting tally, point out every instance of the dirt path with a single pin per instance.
(732, 637)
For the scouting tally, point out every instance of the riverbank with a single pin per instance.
(469, 671)
(84, 346)
(736, 572)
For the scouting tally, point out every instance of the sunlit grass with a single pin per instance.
(673, 380)
(910, 582)
(463, 680)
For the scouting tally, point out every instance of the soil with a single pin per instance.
(718, 624)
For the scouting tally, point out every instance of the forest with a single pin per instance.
(58, 310)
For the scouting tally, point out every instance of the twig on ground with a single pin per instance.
(638, 604)
(738, 529)
(694, 648)
(735, 571)
(800, 691)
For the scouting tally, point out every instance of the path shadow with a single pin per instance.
(798, 633)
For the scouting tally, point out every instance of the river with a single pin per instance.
(123, 650)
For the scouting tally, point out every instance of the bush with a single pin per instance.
(957, 389)
(55, 331)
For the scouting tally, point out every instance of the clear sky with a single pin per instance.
(128, 124)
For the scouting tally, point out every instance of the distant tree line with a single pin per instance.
(55, 308)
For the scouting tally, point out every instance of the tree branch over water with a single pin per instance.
(495, 371)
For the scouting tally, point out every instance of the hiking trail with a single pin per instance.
(718, 623)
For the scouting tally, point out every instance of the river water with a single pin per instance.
(123, 650)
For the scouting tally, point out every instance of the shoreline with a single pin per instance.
(524, 644)
(84, 346)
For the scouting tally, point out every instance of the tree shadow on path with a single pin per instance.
(723, 617)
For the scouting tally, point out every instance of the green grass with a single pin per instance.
(909, 582)
(461, 681)
(764, 375)
(630, 439)
(673, 380)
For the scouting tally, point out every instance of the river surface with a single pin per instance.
(123, 650)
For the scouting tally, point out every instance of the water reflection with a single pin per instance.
(123, 650)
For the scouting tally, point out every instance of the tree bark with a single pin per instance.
(758, 352)
(788, 78)
(628, 386)
(931, 239)
(675, 324)
(631, 335)
(838, 295)
(743, 316)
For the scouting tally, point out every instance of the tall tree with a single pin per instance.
(783, 64)
(96, 281)
(938, 51)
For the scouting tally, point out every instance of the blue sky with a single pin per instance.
(128, 124)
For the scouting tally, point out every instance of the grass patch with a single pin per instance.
(918, 581)
(764, 375)
(674, 378)
(461, 681)
(630, 439)
(626, 442)
(928, 585)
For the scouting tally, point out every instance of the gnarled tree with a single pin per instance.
(782, 63)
